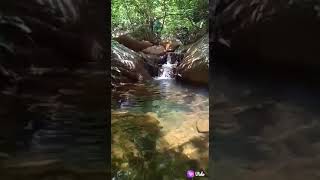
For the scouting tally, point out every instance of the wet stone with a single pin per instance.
(203, 125)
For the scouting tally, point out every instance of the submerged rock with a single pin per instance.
(203, 125)
(138, 143)
(133, 137)
(194, 67)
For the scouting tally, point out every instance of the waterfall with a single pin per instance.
(166, 71)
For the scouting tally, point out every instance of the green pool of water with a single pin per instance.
(154, 132)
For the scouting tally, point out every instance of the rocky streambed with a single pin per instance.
(160, 113)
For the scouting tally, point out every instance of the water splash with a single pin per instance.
(166, 70)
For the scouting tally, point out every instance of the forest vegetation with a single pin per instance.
(175, 18)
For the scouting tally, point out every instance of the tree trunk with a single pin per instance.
(165, 15)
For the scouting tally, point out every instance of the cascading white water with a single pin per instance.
(167, 69)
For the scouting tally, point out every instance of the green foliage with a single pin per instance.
(129, 15)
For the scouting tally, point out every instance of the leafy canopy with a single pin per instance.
(174, 15)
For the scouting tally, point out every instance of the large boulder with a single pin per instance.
(194, 67)
(132, 43)
(126, 65)
(155, 50)
(271, 31)
(151, 63)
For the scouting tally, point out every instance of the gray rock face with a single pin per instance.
(152, 63)
(127, 65)
(194, 67)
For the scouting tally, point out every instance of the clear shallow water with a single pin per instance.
(164, 113)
